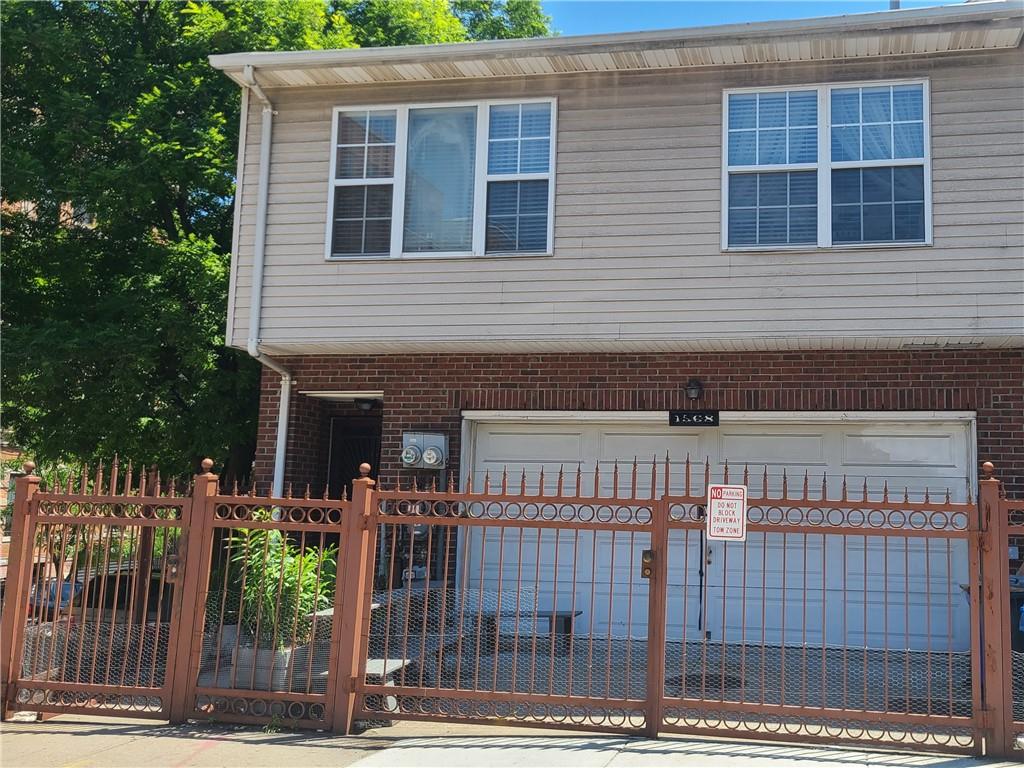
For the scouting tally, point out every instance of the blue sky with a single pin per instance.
(583, 17)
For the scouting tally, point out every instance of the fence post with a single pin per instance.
(19, 576)
(657, 595)
(352, 627)
(188, 615)
(995, 617)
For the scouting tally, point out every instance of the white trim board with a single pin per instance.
(731, 417)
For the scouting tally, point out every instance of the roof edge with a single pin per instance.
(980, 11)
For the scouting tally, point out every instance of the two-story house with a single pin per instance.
(538, 249)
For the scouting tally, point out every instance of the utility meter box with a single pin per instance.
(424, 450)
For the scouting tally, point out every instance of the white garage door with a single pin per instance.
(797, 589)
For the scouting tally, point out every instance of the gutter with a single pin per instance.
(258, 259)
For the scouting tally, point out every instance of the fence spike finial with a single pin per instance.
(433, 484)
(415, 485)
(469, 480)
(725, 473)
(234, 487)
(654, 475)
(948, 496)
(97, 486)
(597, 478)
(172, 486)
(746, 474)
(824, 485)
(632, 492)
(522, 482)
(156, 487)
(686, 486)
(764, 483)
(451, 481)
(306, 493)
(252, 486)
(806, 488)
(85, 479)
(344, 493)
(927, 496)
(885, 490)
(114, 467)
(845, 498)
(561, 481)
(504, 480)
(327, 490)
(128, 479)
(785, 484)
(487, 482)
(865, 493)
(540, 481)
(615, 479)
(579, 479)
(906, 494)
(970, 490)
(707, 473)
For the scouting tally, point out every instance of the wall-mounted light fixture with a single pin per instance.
(694, 389)
(365, 404)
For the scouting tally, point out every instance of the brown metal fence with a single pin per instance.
(578, 601)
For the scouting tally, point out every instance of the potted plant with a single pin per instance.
(284, 585)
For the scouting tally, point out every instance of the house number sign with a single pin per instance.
(693, 418)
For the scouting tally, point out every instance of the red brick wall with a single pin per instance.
(428, 392)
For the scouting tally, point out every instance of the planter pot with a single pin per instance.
(262, 669)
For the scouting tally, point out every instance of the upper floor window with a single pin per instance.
(451, 180)
(826, 165)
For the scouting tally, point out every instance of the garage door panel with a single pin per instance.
(771, 448)
(625, 445)
(515, 446)
(904, 449)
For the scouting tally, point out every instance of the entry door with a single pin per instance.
(827, 589)
(354, 440)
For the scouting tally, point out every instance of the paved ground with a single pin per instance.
(93, 742)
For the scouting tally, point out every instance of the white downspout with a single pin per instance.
(256, 298)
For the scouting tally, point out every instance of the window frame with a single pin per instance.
(825, 165)
(481, 178)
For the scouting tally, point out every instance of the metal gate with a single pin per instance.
(584, 601)
(96, 580)
(844, 620)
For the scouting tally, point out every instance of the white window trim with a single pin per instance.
(480, 180)
(825, 166)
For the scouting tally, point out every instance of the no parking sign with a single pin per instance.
(727, 512)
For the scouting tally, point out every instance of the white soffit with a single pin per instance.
(972, 26)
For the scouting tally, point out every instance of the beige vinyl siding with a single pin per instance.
(637, 245)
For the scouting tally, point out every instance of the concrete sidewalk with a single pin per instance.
(73, 741)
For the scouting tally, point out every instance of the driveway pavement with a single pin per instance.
(91, 742)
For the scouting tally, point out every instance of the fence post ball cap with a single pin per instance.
(207, 465)
(364, 469)
(28, 467)
(988, 467)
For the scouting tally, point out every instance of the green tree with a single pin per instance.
(123, 139)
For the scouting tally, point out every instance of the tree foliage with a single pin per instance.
(123, 140)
